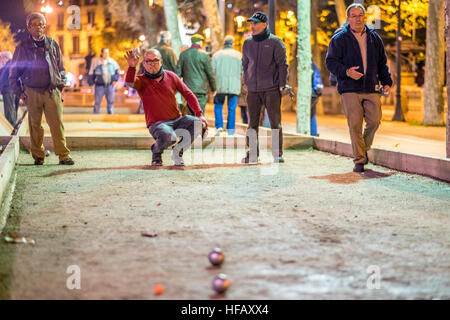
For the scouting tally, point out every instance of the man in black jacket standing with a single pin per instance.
(265, 74)
(356, 56)
(37, 76)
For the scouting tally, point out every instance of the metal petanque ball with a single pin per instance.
(221, 283)
(216, 257)
(47, 153)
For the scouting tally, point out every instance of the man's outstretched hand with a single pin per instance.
(204, 121)
(132, 59)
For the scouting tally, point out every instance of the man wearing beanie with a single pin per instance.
(195, 68)
(227, 66)
(265, 74)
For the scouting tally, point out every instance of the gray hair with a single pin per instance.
(164, 36)
(155, 52)
(228, 40)
(35, 15)
(355, 5)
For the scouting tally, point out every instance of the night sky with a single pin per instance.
(13, 11)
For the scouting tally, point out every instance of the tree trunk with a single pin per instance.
(447, 29)
(433, 106)
(315, 49)
(214, 24)
(171, 14)
(340, 11)
(398, 115)
(304, 71)
(150, 27)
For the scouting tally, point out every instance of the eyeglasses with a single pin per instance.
(151, 61)
(37, 25)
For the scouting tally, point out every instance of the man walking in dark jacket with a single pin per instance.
(265, 74)
(196, 70)
(37, 76)
(356, 56)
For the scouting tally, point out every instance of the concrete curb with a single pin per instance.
(433, 167)
(8, 161)
(140, 142)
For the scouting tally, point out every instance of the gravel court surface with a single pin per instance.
(306, 229)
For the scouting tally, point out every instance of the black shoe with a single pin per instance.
(278, 159)
(38, 161)
(367, 159)
(359, 167)
(67, 161)
(157, 163)
(247, 160)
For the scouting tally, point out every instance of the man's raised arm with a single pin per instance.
(131, 72)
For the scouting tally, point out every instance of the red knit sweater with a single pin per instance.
(158, 97)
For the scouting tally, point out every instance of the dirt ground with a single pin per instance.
(306, 229)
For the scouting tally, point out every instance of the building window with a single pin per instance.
(61, 21)
(90, 48)
(75, 2)
(90, 2)
(61, 43)
(108, 22)
(91, 17)
(76, 45)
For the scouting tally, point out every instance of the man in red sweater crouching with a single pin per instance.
(157, 88)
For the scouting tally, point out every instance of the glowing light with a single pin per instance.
(290, 13)
(150, 3)
(47, 9)
(239, 20)
(141, 37)
(207, 33)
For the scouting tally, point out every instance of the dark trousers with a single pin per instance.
(272, 101)
(10, 106)
(244, 114)
(164, 132)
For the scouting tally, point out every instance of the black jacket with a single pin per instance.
(344, 53)
(22, 69)
(264, 64)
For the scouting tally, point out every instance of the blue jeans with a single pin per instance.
(108, 92)
(219, 100)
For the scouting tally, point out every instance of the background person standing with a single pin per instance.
(103, 73)
(265, 74)
(195, 68)
(10, 100)
(227, 66)
(37, 75)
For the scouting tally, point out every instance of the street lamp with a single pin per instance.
(240, 20)
(47, 9)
